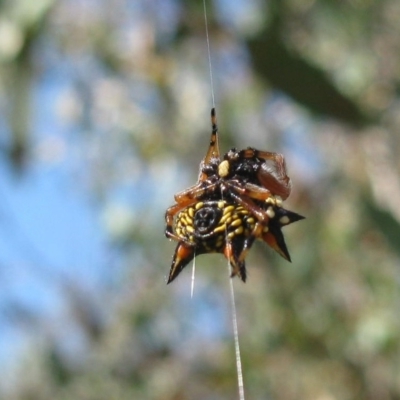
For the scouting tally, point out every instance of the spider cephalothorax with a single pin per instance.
(234, 202)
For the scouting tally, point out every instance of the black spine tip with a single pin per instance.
(214, 121)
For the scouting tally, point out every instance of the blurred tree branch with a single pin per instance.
(299, 79)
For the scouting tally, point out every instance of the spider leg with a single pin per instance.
(248, 242)
(232, 254)
(169, 218)
(249, 205)
(194, 192)
(253, 191)
(272, 173)
(172, 235)
(184, 199)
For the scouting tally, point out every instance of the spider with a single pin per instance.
(236, 200)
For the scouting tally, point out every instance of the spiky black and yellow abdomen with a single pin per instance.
(207, 225)
(225, 227)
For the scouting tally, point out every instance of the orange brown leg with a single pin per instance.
(184, 199)
(238, 266)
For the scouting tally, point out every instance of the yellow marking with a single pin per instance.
(231, 235)
(270, 212)
(191, 212)
(223, 169)
(191, 238)
(221, 204)
(271, 200)
(190, 229)
(284, 220)
(239, 230)
(199, 205)
(224, 218)
(265, 229)
(236, 222)
(182, 221)
(278, 200)
(228, 209)
(250, 220)
(178, 231)
(220, 228)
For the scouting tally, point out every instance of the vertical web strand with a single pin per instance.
(209, 54)
(238, 358)
(213, 104)
(193, 276)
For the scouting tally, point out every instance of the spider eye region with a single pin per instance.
(224, 169)
(232, 154)
(247, 168)
(208, 169)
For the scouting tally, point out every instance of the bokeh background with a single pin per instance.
(105, 115)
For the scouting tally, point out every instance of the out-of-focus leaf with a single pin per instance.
(29, 20)
(302, 81)
(386, 224)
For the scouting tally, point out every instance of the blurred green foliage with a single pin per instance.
(316, 80)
